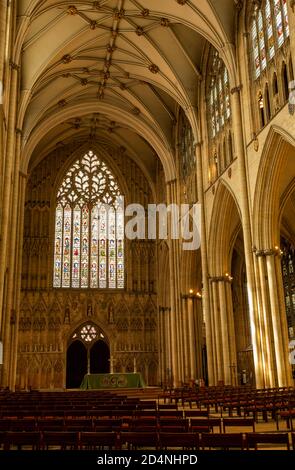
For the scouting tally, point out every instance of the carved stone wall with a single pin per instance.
(49, 316)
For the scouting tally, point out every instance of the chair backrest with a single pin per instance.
(196, 413)
(238, 422)
(20, 439)
(254, 439)
(99, 440)
(176, 440)
(223, 441)
(134, 440)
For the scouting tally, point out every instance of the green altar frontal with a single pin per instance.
(97, 381)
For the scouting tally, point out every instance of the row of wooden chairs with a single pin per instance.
(189, 423)
(134, 441)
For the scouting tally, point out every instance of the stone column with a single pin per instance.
(176, 353)
(10, 322)
(192, 339)
(186, 339)
(246, 222)
(212, 373)
(198, 334)
(217, 332)
(269, 366)
(224, 333)
(17, 275)
(161, 343)
(8, 177)
(231, 332)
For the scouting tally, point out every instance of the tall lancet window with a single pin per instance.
(89, 228)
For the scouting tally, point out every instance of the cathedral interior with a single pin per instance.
(154, 102)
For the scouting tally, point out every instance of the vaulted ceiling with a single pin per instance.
(114, 71)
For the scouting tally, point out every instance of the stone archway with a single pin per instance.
(76, 364)
(100, 358)
(88, 352)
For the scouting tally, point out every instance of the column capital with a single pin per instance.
(264, 252)
(198, 145)
(226, 278)
(14, 66)
(236, 89)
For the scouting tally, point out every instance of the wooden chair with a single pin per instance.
(240, 422)
(99, 440)
(223, 441)
(21, 439)
(183, 441)
(197, 414)
(140, 440)
(254, 439)
(61, 440)
(293, 440)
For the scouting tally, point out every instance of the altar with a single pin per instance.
(104, 381)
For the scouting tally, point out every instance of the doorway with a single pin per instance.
(76, 364)
(100, 358)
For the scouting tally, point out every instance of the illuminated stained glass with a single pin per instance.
(66, 277)
(58, 246)
(112, 247)
(103, 248)
(256, 49)
(286, 19)
(85, 247)
(94, 248)
(89, 228)
(261, 41)
(227, 96)
(279, 22)
(76, 247)
(219, 96)
(269, 29)
(120, 247)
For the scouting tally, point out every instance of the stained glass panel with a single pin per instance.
(94, 248)
(58, 246)
(261, 41)
(66, 278)
(112, 247)
(76, 247)
(269, 29)
(286, 19)
(219, 109)
(103, 247)
(85, 247)
(279, 22)
(256, 48)
(120, 247)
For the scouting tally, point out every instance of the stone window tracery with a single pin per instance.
(89, 228)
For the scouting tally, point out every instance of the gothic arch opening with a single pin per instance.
(88, 353)
(76, 364)
(229, 329)
(100, 358)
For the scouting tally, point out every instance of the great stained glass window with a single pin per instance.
(219, 95)
(89, 228)
(270, 29)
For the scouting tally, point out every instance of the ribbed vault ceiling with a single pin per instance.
(113, 70)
